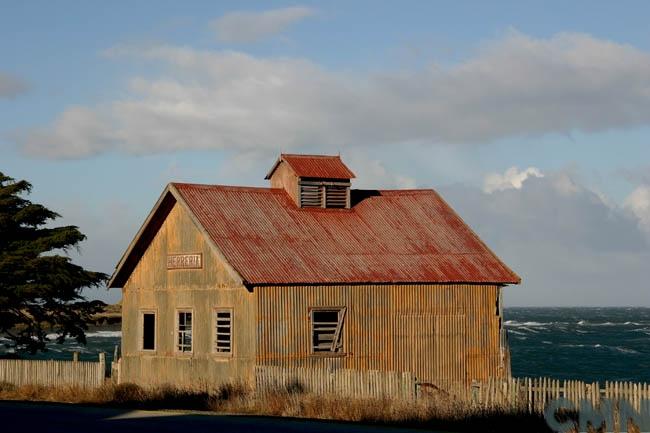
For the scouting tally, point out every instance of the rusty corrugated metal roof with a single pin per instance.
(408, 236)
(315, 166)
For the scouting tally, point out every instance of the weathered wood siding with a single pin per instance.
(152, 287)
(355, 383)
(83, 374)
(283, 177)
(441, 333)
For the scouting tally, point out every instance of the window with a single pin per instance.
(316, 193)
(311, 195)
(336, 196)
(327, 330)
(148, 330)
(223, 331)
(184, 331)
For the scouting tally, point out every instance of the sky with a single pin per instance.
(532, 119)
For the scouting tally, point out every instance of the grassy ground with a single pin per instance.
(428, 413)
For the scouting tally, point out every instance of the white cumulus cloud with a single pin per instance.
(569, 249)
(638, 203)
(514, 86)
(245, 26)
(511, 178)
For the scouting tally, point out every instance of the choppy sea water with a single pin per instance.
(590, 344)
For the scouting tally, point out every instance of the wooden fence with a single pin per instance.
(86, 374)
(521, 394)
(533, 394)
(358, 383)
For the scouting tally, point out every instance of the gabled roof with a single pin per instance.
(154, 221)
(314, 166)
(401, 236)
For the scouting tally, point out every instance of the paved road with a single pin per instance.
(49, 417)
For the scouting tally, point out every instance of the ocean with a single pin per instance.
(589, 344)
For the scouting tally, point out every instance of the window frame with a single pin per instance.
(342, 313)
(177, 332)
(144, 311)
(321, 188)
(215, 352)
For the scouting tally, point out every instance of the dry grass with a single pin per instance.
(431, 412)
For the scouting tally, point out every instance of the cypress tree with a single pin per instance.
(40, 287)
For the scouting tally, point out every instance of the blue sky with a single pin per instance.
(541, 107)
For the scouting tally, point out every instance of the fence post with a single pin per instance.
(102, 367)
(75, 356)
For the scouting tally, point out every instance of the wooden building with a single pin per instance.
(308, 273)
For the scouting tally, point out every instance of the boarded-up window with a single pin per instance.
(148, 331)
(327, 329)
(311, 195)
(223, 331)
(184, 331)
(336, 196)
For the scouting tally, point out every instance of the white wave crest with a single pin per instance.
(104, 334)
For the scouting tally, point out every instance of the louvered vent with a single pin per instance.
(336, 196)
(311, 195)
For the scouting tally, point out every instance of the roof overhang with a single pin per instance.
(154, 221)
(284, 157)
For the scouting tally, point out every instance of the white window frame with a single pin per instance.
(215, 332)
(177, 333)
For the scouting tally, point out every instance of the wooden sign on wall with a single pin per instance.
(185, 261)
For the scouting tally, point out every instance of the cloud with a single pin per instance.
(242, 26)
(78, 131)
(569, 249)
(514, 86)
(512, 178)
(638, 203)
(11, 86)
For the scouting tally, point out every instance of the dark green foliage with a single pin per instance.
(40, 290)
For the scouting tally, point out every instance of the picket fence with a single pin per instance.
(521, 394)
(84, 374)
(533, 394)
(358, 383)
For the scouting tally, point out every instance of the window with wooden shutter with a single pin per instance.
(327, 330)
(321, 193)
(336, 196)
(223, 331)
(311, 195)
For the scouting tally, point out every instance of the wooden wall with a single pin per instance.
(50, 372)
(152, 287)
(442, 333)
(283, 177)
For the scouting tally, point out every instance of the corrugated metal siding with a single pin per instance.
(441, 333)
(356, 383)
(389, 236)
(154, 288)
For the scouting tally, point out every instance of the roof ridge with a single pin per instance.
(309, 155)
(404, 191)
(228, 187)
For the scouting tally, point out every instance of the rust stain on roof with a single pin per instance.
(401, 236)
(315, 166)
